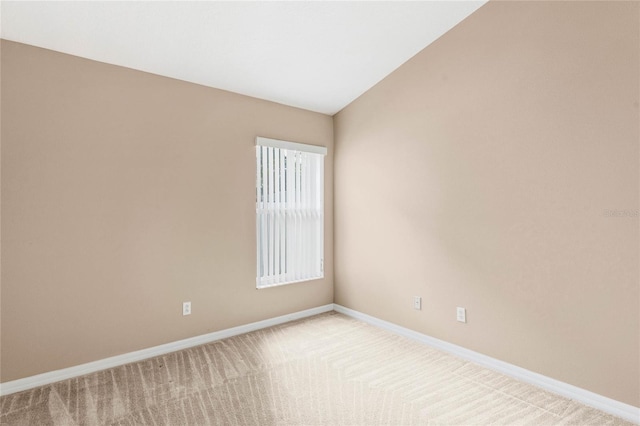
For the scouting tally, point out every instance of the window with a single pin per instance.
(289, 212)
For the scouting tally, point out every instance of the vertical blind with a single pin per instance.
(289, 212)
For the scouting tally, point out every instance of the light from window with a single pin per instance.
(289, 212)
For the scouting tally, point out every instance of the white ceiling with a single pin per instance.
(309, 54)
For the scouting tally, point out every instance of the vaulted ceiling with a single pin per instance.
(310, 54)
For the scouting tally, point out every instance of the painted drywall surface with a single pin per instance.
(497, 170)
(125, 194)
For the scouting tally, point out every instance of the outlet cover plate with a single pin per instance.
(417, 303)
(461, 314)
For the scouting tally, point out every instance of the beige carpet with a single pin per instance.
(324, 370)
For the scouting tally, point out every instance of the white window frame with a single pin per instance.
(289, 212)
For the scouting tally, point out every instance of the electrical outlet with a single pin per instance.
(186, 308)
(417, 303)
(461, 314)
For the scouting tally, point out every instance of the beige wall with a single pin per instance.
(125, 194)
(477, 175)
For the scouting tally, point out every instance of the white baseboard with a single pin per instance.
(91, 367)
(608, 405)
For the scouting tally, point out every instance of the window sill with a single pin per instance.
(266, 286)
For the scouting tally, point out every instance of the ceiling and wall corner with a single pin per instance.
(318, 56)
(115, 178)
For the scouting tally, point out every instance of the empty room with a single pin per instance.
(320, 213)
